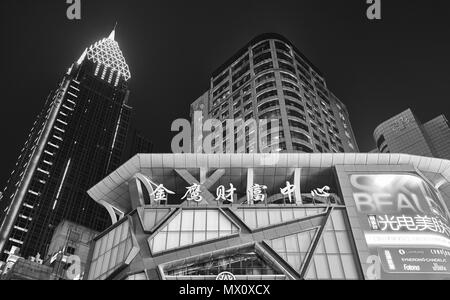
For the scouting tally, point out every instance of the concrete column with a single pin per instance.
(297, 181)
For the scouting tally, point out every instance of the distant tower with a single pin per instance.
(76, 140)
(404, 133)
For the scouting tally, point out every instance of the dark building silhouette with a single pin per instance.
(137, 143)
(77, 139)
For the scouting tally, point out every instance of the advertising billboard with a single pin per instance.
(405, 225)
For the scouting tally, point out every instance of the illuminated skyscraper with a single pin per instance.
(76, 140)
(269, 78)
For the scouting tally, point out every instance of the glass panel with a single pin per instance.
(225, 224)
(103, 246)
(343, 242)
(304, 240)
(185, 238)
(278, 245)
(174, 225)
(159, 242)
(125, 230)
(105, 263)
(96, 250)
(110, 241)
(213, 220)
(299, 213)
(262, 216)
(250, 218)
(113, 259)
(292, 244)
(187, 220)
(99, 266)
(322, 269)
(120, 254)
(348, 262)
(212, 235)
(330, 242)
(117, 235)
(338, 220)
(173, 240)
(336, 269)
(199, 237)
(287, 215)
(274, 216)
(311, 274)
(200, 220)
(295, 261)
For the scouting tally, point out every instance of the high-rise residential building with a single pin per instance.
(404, 133)
(76, 140)
(269, 78)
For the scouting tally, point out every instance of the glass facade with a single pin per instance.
(242, 262)
(334, 257)
(192, 226)
(260, 218)
(111, 251)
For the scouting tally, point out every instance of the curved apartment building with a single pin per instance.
(270, 78)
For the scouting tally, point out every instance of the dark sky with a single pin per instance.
(376, 68)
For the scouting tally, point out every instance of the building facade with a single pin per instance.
(274, 216)
(70, 244)
(404, 133)
(269, 78)
(77, 139)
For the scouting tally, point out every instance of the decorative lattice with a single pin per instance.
(107, 52)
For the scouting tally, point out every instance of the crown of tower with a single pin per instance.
(106, 52)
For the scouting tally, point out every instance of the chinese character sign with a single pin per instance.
(193, 193)
(225, 195)
(398, 213)
(256, 193)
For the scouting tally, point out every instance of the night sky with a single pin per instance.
(377, 68)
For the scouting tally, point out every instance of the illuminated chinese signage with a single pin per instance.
(404, 221)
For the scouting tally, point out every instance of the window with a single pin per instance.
(285, 57)
(261, 48)
(295, 105)
(300, 136)
(291, 86)
(263, 68)
(268, 105)
(241, 82)
(265, 77)
(289, 77)
(282, 46)
(265, 86)
(302, 148)
(286, 67)
(266, 95)
(295, 124)
(221, 78)
(262, 57)
(292, 95)
(296, 114)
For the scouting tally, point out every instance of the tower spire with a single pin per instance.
(112, 35)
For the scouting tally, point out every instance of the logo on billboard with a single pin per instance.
(226, 276)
